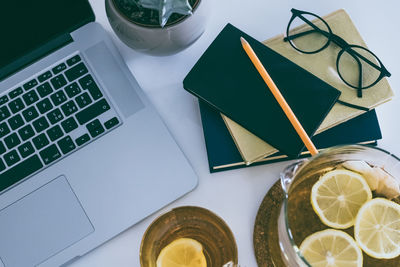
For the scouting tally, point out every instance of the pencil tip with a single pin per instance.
(243, 41)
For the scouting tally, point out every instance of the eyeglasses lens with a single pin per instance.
(350, 65)
(304, 37)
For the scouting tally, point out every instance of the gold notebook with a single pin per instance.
(323, 65)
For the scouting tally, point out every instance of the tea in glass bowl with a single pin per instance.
(342, 208)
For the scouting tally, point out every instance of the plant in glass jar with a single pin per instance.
(157, 27)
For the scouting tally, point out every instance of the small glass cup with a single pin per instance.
(219, 246)
(297, 218)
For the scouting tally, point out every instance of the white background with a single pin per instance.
(236, 195)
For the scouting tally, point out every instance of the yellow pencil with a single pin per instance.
(278, 96)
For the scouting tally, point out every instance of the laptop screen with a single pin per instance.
(28, 24)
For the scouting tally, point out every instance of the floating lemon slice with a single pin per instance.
(183, 252)
(331, 248)
(337, 197)
(377, 228)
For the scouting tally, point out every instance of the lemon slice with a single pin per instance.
(377, 228)
(331, 248)
(183, 252)
(337, 197)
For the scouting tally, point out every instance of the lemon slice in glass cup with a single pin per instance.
(331, 247)
(196, 223)
(377, 228)
(181, 252)
(337, 197)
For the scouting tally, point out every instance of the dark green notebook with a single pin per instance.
(225, 78)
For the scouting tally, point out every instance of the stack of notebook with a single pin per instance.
(242, 122)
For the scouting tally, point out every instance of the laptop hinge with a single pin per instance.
(35, 55)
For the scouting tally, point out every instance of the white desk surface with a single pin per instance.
(236, 195)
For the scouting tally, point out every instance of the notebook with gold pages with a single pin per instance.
(250, 146)
(223, 155)
(322, 65)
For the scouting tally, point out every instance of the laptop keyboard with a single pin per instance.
(49, 117)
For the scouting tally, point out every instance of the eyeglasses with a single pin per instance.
(358, 67)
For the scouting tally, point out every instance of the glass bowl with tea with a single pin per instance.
(341, 208)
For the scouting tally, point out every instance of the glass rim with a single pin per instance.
(306, 162)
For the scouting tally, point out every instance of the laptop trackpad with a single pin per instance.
(42, 224)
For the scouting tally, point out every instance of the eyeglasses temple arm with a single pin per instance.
(312, 25)
(359, 90)
(297, 35)
(355, 53)
(352, 105)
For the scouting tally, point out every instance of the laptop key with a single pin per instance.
(44, 106)
(69, 108)
(58, 81)
(2, 168)
(92, 111)
(44, 76)
(95, 91)
(86, 81)
(44, 89)
(73, 60)
(83, 100)
(69, 124)
(3, 99)
(95, 128)
(66, 145)
(12, 140)
(82, 139)
(26, 132)
(72, 89)
(30, 84)
(4, 130)
(20, 171)
(16, 105)
(16, 92)
(11, 157)
(55, 116)
(26, 149)
(2, 148)
(59, 68)
(40, 124)
(58, 98)
(30, 97)
(30, 114)
(16, 122)
(50, 154)
(40, 141)
(4, 113)
(111, 123)
(76, 72)
(54, 133)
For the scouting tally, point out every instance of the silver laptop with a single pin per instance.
(83, 154)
